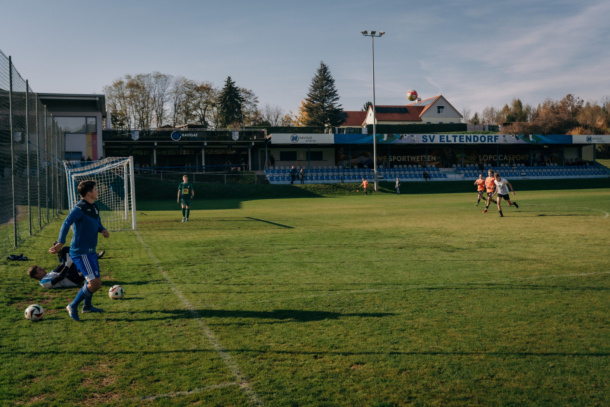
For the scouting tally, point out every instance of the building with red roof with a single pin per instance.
(434, 110)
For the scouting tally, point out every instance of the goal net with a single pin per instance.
(114, 177)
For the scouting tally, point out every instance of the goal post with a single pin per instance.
(115, 181)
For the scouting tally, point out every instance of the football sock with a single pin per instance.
(183, 212)
(82, 294)
(87, 301)
(188, 212)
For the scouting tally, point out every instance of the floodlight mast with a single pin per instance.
(374, 34)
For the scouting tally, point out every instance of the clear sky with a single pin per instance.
(476, 53)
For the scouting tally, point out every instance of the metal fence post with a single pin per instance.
(12, 135)
(46, 169)
(27, 150)
(38, 162)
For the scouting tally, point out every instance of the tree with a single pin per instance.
(140, 96)
(181, 95)
(489, 115)
(230, 105)
(273, 115)
(204, 101)
(466, 114)
(160, 95)
(321, 103)
(593, 117)
(300, 119)
(366, 106)
(475, 119)
(250, 114)
(118, 106)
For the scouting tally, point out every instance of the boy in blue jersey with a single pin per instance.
(85, 217)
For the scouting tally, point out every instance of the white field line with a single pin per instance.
(599, 210)
(207, 332)
(185, 393)
(417, 287)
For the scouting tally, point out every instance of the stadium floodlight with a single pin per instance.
(374, 34)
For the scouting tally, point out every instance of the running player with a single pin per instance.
(491, 188)
(364, 186)
(85, 217)
(185, 194)
(502, 188)
(480, 183)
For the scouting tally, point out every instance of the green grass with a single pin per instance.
(334, 300)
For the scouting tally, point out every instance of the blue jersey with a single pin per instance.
(87, 224)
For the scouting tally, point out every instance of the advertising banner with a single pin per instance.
(591, 139)
(295, 138)
(453, 139)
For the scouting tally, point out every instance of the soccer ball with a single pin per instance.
(34, 312)
(412, 95)
(116, 292)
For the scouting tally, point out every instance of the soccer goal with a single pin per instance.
(116, 189)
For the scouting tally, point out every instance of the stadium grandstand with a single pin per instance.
(334, 174)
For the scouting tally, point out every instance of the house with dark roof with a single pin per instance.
(434, 110)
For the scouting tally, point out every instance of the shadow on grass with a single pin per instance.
(278, 315)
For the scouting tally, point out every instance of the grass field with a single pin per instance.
(340, 300)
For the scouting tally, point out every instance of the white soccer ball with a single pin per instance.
(34, 312)
(116, 292)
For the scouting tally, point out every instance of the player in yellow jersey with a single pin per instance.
(185, 194)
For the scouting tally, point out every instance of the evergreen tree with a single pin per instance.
(321, 104)
(230, 103)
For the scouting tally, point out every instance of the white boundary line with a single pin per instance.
(241, 381)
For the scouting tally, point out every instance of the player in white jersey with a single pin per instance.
(502, 186)
(64, 275)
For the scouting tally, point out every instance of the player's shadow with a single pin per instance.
(272, 317)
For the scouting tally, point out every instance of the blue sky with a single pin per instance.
(475, 53)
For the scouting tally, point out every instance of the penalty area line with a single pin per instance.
(224, 355)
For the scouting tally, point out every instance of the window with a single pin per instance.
(315, 156)
(91, 125)
(73, 155)
(440, 109)
(288, 155)
(80, 125)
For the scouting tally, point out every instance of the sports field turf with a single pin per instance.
(382, 300)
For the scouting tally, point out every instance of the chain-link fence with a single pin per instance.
(32, 182)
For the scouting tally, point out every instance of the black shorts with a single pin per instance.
(506, 197)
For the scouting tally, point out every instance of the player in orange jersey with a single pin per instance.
(490, 185)
(480, 183)
(364, 186)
